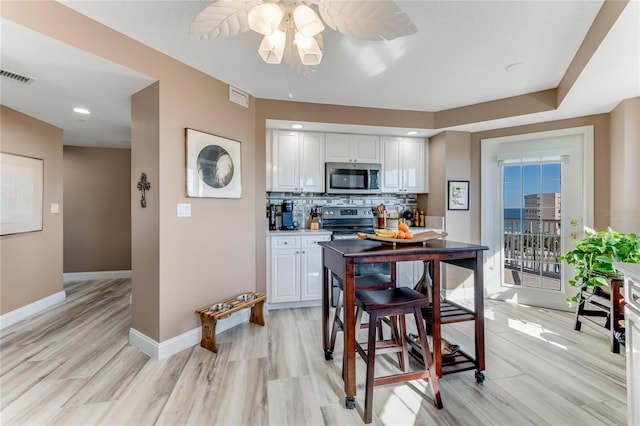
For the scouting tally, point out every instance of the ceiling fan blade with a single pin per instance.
(224, 18)
(366, 20)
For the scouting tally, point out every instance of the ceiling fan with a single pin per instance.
(293, 26)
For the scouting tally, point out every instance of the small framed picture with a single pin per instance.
(458, 194)
(213, 166)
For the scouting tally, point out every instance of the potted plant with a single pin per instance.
(593, 258)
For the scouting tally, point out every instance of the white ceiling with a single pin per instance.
(460, 56)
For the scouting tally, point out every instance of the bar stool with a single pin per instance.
(398, 301)
(365, 282)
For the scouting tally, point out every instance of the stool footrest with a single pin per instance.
(401, 377)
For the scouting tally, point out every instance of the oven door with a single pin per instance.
(361, 270)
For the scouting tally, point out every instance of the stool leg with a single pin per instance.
(336, 322)
(404, 355)
(428, 359)
(371, 362)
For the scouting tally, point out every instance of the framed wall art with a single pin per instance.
(458, 195)
(213, 166)
(21, 192)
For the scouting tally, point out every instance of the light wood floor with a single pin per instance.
(73, 365)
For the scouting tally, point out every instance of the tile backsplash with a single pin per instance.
(303, 203)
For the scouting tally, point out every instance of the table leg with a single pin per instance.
(478, 297)
(328, 354)
(257, 313)
(349, 336)
(436, 332)
(208, 340)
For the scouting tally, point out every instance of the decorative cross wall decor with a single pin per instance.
(143, 186)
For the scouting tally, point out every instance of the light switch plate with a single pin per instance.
(184, 210)
(55, 208)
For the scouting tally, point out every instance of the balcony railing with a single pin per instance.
(531, 251)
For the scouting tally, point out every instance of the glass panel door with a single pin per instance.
(531, 205)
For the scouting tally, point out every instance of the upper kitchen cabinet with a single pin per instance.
(404, 165)
(347, 148)
(297, 161)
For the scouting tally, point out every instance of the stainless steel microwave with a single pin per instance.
(352, 178)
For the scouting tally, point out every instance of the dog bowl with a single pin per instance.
(246, 297)
(220, 307)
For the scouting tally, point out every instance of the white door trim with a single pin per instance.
(489, 211)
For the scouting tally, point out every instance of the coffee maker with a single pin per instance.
(288, 223)
(273, 213)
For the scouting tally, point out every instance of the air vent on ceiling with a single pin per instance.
(238, 96)
(16, 77)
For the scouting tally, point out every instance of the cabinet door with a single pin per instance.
(366, 148)
(337, 148)
(405, 274)
(311, 274)
(285, 273)
(286, 161)
(311, 162)
(413, 165)
(311, 267)
(391, 164)
(632, 348)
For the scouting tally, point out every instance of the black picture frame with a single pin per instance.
(458, 195)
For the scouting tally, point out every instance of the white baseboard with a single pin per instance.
(304, 304)
(183, 341)
(36, 307)
(98, 275)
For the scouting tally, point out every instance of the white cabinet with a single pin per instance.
(348, 148)
(408, 273)
(295, 269)
(404, 164)
(297, 161)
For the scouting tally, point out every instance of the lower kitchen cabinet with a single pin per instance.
(408, 273)
(295, 270)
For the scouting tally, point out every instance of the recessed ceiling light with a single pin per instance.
(412, 132)
(296, 126)
(80, 110)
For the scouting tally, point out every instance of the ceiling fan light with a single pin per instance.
(265, 18)
(308, 49)
(272, 47)
(307, 22)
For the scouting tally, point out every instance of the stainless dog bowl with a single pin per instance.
(220, 307)
(246, 297)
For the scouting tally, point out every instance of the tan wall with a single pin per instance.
(31, 263)
(437, 199)
(200, 259)
(602, 170)
(624, 213)
(145, 222)
(97, 213)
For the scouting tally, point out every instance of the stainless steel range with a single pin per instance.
(345, 222)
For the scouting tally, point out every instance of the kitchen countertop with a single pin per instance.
(629, 269)
(299, 232)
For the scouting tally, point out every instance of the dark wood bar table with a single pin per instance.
(340, 258)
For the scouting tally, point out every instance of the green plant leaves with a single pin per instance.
(593, 257)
